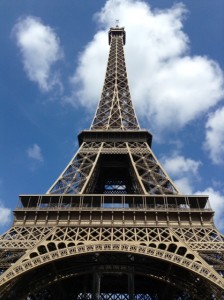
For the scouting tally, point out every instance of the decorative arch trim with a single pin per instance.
(179, 260)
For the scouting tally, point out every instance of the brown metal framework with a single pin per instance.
(113, 225)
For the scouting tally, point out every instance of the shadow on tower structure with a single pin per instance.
(113, 225)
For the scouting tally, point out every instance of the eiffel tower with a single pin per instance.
(113, 225)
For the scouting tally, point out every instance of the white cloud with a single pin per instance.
(5, 215)
(40, 49)
(214, 142)
(183, 170)
(178, 164)
(90, 83)
(35, 152)
(217, 204)
(184, 185)
(166, 82)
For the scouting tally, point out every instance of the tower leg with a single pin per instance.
(131, 286)
(96, 286)
(84, 289)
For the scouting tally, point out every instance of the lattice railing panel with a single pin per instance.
(23, 237)
(101, 234)
(104, 296)
(110, 296)
(192, 235)
(84, 296)
(89, 145)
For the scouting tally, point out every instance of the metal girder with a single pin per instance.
(144, 168)
(115, 109)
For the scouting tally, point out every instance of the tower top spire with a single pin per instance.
(117, 31)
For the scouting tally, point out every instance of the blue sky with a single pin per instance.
(53, 61)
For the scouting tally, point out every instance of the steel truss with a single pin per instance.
(145, 169)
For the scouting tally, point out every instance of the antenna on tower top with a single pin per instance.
(117, 23)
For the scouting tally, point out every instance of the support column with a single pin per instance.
(84, 293)
(96, 286)
(131, 286)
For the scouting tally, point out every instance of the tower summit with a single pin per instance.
(113, 225)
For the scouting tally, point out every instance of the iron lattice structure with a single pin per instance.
(113, 225)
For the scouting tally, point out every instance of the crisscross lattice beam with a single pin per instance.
(115, 109)
(145, 170)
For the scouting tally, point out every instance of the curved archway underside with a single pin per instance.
(156, 272)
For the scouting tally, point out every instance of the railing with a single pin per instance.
(114, 202)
